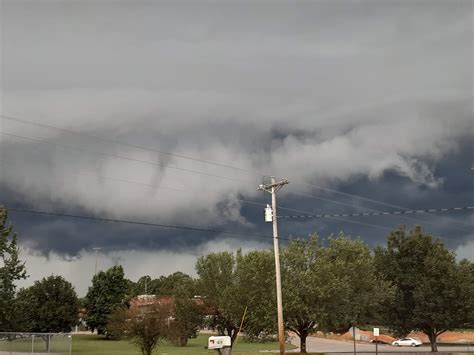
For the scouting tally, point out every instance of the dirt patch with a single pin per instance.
(451, 337)
(448, 337)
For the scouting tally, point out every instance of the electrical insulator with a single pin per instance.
(268, 214)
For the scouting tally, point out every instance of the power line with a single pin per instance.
(189, 228)
(371, 209)
(152, 187)
(148, 224)
(240, 200)
(116, 156)
(160, 187)
(149, 186)
(371, 200)
(114, 141)
(386, 213)
(324, 199)
(335, 217)
(340, 219)
(118, 179)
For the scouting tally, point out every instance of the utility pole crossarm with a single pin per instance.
(274, 185)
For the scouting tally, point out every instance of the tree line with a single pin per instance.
(412, 283)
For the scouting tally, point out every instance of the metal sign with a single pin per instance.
(376, 332)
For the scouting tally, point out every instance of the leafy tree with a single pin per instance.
(177, 284)
(232, 283)
(49, 306)
(144, 328)
(11, 270)
(328, 288)
(433, 293)
(217, 284)
(108, 291)
(144, 285)
(357, 292)
(301, 303)
(465, 274)
(255, 281)
(188, 318)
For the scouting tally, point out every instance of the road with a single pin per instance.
(314, 344)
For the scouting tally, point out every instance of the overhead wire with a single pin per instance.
(114, 141)
(149, 224)
(361, 208)
(245, 201)
(237, 199)
(151, 149)
(384, 213)
(116, 156)
(160, 187)
(367, 199)
(142, 223)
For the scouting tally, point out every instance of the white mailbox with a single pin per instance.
(218, 342)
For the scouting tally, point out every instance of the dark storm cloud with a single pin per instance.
(371, 98)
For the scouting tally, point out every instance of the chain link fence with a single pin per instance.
(35, 343)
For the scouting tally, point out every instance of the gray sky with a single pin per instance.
(367, 97)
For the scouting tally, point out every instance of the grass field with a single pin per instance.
(93, 344)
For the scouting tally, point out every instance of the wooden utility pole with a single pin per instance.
(273, 188)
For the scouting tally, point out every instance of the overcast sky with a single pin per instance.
(369, 98)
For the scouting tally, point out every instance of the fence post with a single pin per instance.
(32, 343)
(70, 344)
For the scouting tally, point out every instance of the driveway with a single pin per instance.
(323, 345)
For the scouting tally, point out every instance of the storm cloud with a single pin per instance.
(368, 98)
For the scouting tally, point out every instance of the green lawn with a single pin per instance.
(93, 344)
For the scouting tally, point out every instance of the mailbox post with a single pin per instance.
(222, 345)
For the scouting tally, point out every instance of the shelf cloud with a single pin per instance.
(372, 98)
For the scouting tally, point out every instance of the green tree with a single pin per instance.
(187, 318)
(301, 301)
(465, 273)
(231, 284)
(108, 291)
(177, 284)
(432, 295)
(329, 287)
(11, 269)
(49, 306)
(349, 266)
(255, 281)
(144, 285)
(145, 328)
(217, 284)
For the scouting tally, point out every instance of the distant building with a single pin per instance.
(144, 301)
